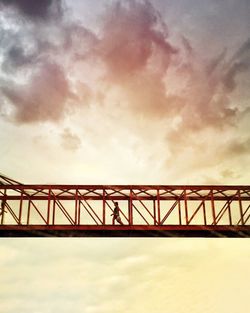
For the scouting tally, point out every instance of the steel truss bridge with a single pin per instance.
(146, 211)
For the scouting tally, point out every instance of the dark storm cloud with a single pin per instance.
(41, 99)
(32, 9)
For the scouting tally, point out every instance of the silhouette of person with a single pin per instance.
(116, 214)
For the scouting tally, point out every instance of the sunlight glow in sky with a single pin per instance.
(125, 92)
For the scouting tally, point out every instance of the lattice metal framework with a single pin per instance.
(85, 210)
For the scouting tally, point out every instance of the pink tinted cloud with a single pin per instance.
(131, 34)
(137, 57)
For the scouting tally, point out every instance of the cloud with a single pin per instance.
(229, 173)
(240, 63)
(187, 45)
(135, 51)
(237, 148)
(216, 62)
(78, 38)
(208, 89)
(70, 141)
(207, 98)
(37, 59)
(16, 58)
(43, 98)
(35, 10)
(141, 61)
(132, 33)
(68, 273)
(243, 52)
(133, 63)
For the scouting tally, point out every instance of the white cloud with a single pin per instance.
(121, 275)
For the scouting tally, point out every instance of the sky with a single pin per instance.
(125, 92)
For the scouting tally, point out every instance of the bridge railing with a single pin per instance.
(139, 205)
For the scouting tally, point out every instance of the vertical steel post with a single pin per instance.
(20, 209)
(130, 217)
(103, 207)
(54, 210)
(154, 208)
(186, 205)
(179, 210)
(241, 209)
(76, 206)
(213, 207)
(158, 206)
(48, 209)
(79, 209)
(28, 213)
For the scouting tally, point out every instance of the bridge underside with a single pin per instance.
(123, 231)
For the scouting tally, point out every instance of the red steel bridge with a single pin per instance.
(146, 211)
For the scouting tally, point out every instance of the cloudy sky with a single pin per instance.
(125, 92)
(126, 275)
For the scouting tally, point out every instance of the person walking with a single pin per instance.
(116, 214)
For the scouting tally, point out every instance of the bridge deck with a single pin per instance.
(123, 231)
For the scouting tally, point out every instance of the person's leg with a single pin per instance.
(119, 220)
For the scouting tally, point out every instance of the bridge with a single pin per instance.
(145, 210)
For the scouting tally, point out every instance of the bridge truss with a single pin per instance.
(85, 210)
